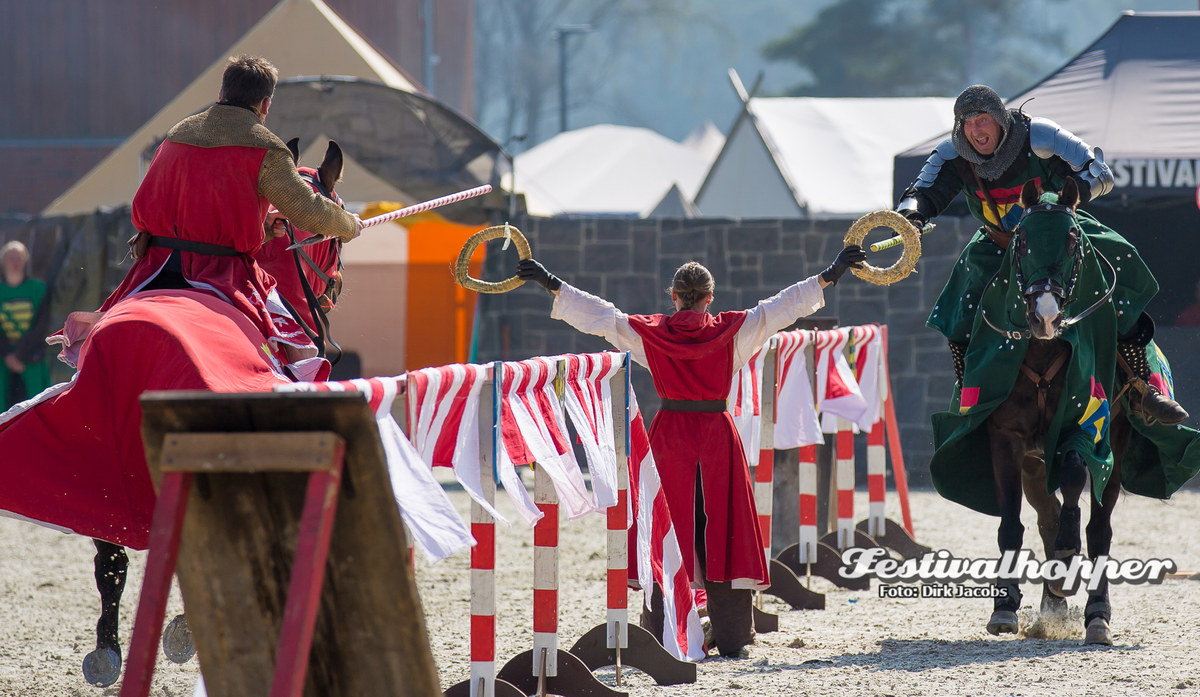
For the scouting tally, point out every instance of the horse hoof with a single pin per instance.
(1053, 604)
(1098, 632)
(177, 641)
(102, 667)
(1002, 622)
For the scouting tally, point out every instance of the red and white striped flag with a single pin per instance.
(588, 398)
(796, 423)
(659, 559)
(745, 404)
(838, 394)
(533, 429)
(436, 527)
(443, 422)
(870, 371)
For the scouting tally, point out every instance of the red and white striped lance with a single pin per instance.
(407, 211)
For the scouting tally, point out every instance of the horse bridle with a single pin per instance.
(1021, 248)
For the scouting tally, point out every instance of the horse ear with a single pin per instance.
(293, 147)
(330, 170)
(1030, 193)
(1069, 196)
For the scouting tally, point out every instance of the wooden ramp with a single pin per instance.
(246, 524)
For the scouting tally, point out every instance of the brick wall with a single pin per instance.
(631, 262)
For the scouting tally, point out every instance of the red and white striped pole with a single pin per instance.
(808, 504)
(617, 634)
(764, 473)
(876, 479)
(545, 577)
(483, 554)
(845, 483)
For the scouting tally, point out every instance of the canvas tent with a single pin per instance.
(1135, 93)
(301, 37)
(609, 170)
(805, 156)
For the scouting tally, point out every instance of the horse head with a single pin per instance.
(1047, 249)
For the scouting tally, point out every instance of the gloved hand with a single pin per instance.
(918, 221)
(850, 256)
(531, 270)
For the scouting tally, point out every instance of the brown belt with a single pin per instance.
(693, 405)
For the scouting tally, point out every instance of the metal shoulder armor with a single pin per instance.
(933, 166)
(1047, 139)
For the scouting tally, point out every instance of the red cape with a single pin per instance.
(75, 460)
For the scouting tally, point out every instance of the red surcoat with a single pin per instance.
(690, 356)
(206, 195)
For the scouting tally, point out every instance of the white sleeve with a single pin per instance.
(598, 317)
(769, 316)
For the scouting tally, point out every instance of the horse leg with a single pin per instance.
(1033, 481)
(102, 667)
(1097, 614)
(1072, 480)
(1008, 453)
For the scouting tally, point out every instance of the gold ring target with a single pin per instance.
(911, 239)
(462, 272)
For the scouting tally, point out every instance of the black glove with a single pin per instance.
(531, 270)
(852, 255)
(918, 221)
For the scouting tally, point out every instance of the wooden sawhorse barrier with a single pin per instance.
(293, 585)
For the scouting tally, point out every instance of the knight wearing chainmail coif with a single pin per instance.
(201, 207)
(990, 155)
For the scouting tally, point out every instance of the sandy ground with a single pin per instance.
(860, 645)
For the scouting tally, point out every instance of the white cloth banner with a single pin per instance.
(588, 397)
(436, 527)
(796, 422)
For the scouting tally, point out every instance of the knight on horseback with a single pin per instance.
(991, 153)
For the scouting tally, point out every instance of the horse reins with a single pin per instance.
(1019, 238)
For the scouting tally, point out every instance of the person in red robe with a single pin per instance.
(200, 213)
(692, 356)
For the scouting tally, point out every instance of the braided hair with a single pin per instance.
(692, 284)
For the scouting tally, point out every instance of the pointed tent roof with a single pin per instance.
(606, 170)
(794, 156)
(301, 37)
(1135, 93)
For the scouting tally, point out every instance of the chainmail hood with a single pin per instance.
(1014, 128)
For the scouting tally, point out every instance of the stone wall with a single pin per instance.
(631, 262)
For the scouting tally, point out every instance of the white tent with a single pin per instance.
(805, 156)
(301, 37)
(608, 170)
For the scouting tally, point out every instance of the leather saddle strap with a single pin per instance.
(1043, 381)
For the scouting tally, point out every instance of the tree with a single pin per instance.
(898, 48)
(517, 61)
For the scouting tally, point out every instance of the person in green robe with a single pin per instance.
(990, 155)
(23, 313)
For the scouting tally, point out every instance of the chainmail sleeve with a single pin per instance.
(305, 208)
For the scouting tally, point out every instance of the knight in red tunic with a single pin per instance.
(200, 212)
(692, 356)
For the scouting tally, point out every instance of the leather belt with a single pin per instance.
(182, 245)
(1000, 238)
(694, 405)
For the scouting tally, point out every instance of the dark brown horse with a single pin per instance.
(1017, 429)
